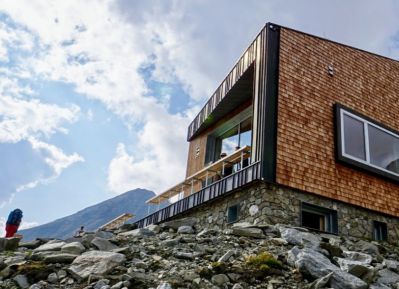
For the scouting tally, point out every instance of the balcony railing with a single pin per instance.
(206, 194)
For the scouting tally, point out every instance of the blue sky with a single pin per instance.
(96, 96)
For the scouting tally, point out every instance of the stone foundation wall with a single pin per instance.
(265, 203)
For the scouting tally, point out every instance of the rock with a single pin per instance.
(104, 234)
(154, 228)
(9, 244)
(367, 247)
(95, 263)
(31, 245)
(22, 281)
(15, 260)
(103, 244)
(227, 256)
(170, 242)
(391, 265)
(138, 233)
(190, 276)
(312, 263)
(118, 285)
(297, 237)
(185, 230)
(278, 241)
(248, 232)
(321, 282)
(333, 250)
(237, 286)
(387, 277)
(101, 283)
(60, 258)
(73, 248)
(355, 263)
(184, 255)
(175, 224)
(61, 274)
(52, 278)
(379, 286)
(39, 256)
(164, 286)
(50, 246)
(86, 239)
(220, 279)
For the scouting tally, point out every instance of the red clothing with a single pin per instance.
(11, 230)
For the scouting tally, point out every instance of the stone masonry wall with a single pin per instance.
(272, 204)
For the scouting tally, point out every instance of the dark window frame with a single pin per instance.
(380, 231)
(353, 162)
(332, 215)
(237, 214)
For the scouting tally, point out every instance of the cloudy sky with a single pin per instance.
(96, 96)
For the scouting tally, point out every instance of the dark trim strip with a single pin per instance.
(270, 104)
(216, 190)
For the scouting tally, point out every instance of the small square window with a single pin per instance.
(232, 214)
(319, 218)
(380, 231)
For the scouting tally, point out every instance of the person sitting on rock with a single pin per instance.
(13, 222)
(80, 232)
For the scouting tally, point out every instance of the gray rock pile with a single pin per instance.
(179, 254)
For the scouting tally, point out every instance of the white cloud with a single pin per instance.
(21, 119)
(101, 46)
(54, 156)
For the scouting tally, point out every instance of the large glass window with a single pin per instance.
(228, 138)
(368, 144)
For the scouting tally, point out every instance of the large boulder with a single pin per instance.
(9, 244)
(103, 244)
(73, 248)
(366, 247)
(59, 258)
(296, 237)
(50, 246)
(315, 265)
(95, 263)
(357, 263)
(387, 277)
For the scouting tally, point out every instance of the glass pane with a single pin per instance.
(354, 137)
(230, 141)
(384, 149)
(246, 133)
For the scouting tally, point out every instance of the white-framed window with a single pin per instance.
(365, 143)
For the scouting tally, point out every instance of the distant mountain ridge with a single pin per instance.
(94, 216)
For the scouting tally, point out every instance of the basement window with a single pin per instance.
(380, 231)
(363, 143)
(232, 213)
(319, 218)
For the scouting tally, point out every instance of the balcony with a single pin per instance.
(244, 175)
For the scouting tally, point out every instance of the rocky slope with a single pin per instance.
(94, 216)
(178, 254)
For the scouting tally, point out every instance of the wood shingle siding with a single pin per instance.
(362, 81)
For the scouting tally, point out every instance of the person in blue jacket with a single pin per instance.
(13, 222)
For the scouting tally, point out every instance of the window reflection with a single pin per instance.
(354, 137)
(384, 149)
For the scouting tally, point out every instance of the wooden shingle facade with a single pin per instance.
(320, 118)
